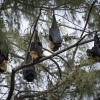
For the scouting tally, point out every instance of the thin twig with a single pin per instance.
(13, 70)
(55, 54)
(60, 73)
(59, 57)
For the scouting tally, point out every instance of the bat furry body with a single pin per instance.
(3, 61)
(54, 36)
(94, 53)
(29, 73)
(36, 48)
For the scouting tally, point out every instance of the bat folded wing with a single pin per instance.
(38, 48)
(96, 45)
(95, 51)
(29, 73)
(55, 36)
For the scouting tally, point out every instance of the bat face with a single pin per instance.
(53, 46)
(30, 78)
(29, 73)
(34, 55)
(3, 66)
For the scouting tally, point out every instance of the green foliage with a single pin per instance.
(84, 82)
(69, 12)
(1, 23)
(4, 46)
(76, 3)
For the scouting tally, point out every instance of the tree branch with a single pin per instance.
(13, 70)
(84, 27)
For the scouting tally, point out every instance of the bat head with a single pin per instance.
(3, 66)
(30, 77)
(34, 55)
(29, 73)
(90, 52)
(54, 47)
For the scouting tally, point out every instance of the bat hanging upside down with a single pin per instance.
(29, 73)
(94, 53)
(3, 61)
(36, 48)
(54, 36)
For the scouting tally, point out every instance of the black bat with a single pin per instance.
(95, 51)
(29, 73)
(36, 51)
(4, 52)
(54, 35)
(3, 61)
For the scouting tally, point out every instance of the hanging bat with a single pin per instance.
(3, 61)
(4, 52)
(95, 51)
(29, 73)
(36, 48)
(54, 36)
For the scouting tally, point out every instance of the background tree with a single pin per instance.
(67, 73)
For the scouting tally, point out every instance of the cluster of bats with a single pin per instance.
(36, 51)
